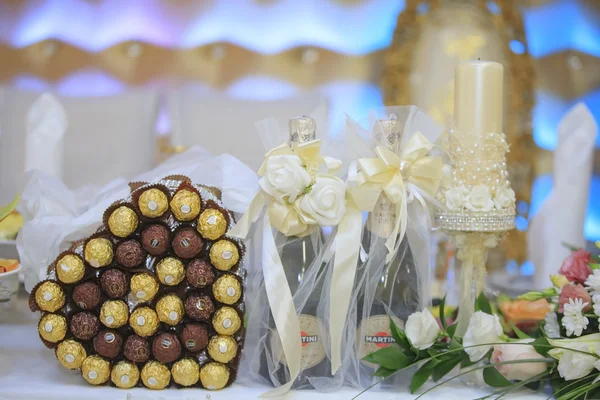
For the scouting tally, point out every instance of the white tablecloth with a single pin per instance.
(28, 370)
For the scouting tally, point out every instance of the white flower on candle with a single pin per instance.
(480, 199)
(483, 332)
(325, 202)
(490, 241)
(505, 197)
(455, 197)
(285, 177)
(422, 329)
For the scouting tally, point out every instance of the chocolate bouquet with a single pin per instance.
(154, 297)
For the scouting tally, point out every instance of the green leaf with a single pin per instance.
(483, 304)
(455, 344)
(399, 335)
(391, 357)
(433, 352)
(383, 372)
(466, 361)
(421, 376)
(369, 358)
(520, 334)
(570, 246)
(444, 367)
(531, 296)
(442, 316)
(451, 330)
(594, 266)
(7, 209)
(541, 345)
(492, 377)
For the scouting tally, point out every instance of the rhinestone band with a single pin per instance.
(477, 222)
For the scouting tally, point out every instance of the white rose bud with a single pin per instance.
(422, 329)
(505, 197)
(325, 203)
(455, 197)
(480, 199)
(285, 176)
(483, 329)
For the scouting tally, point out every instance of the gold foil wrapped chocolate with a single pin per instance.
(114, 313)
(170, 309)
(144, 321)
(52, 327)
(212, 224)
(143, 286)
(98, 252)
(125, 375)
(170, 271)
(185, 372)
(95, 370)
(226, 321)
(70, 268)
(227, 289)
(214, 376)
(70, 353)
(185, 205)
(156, 375)
(224, 255)
(123, 221)
(49, 296)
(222, 348)
(153, 203)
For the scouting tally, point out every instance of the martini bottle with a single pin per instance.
(297, 255)
(388, 289)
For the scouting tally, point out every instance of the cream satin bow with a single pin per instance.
(284, 216)
(412, 172)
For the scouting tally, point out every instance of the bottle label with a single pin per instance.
(381, 219)
(374, 334)
(313, 350)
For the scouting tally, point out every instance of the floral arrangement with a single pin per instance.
(479, 199)
(564, 349)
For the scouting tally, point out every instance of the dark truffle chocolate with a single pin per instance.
(130, 254)
(166, 347)
(199, 307)
(114, 283)
(155, 239)
(86, 295)
(187, 243)
(199, 273)
(108, 343)
(84, 325)
(136, 349)
(194, 337)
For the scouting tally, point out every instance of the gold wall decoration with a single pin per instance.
(431, 37)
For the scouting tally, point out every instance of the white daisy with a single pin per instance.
(573, 319)
(551, 328)
(593, 281)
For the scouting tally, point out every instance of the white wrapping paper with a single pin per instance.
(55, 216)
(560, 219)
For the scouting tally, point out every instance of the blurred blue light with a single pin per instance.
(512, 267)
(493, 7)
(517, 47)
(549, 109)
(561, 25)
(521, 223)
(527, 268)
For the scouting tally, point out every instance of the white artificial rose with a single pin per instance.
(573, 365)
(491, 241)
(505, 197)
(480, 199)
(455, 198)
(325, 202)
(285, 176)
(484, 329)
(422, 329)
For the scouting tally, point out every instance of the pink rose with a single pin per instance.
(574, 291)
(515, 352)
(575, 267)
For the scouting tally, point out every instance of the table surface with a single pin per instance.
(28, 370)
